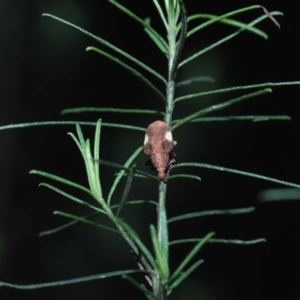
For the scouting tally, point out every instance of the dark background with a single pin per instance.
(44, 68)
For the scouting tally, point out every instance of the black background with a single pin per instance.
(44, 68)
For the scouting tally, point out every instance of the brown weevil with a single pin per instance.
(158, 145)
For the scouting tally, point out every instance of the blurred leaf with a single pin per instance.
(279, 195)
(194, 79)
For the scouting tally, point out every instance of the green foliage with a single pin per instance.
(154, 264)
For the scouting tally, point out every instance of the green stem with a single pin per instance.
(171, 77)
(160, 288)
(173, 57)
(162, 191)
(170, 101)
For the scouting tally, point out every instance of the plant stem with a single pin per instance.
(173, 57)
(162, 191)
(159, 289)
(171, 75)
(170, 102)
(159, 286)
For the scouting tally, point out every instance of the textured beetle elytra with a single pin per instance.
(158, 145)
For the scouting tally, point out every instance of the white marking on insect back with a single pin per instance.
(146, 139)
(168, 136)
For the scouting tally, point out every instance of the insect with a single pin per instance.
(158, 145)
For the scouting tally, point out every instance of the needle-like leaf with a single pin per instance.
(224, 19)
(194, 80)
(76, 110)
(215, 212)
(142, 22)
(83, 220)
(75, 199)
(242, 118)
(237, 88)
(229, 37)
(144, 250)
(229, 170)
(219, 241)
(161, 13)
(119, 176)
(190, 256)
(184, 275)
(67, 225)
(130, 69)
(220, 106)
(62, 180)
(126, 190)
(68, 281)
(111, 46)
(51, 123)
(189, 176)
(140, 287)
(72, 223)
